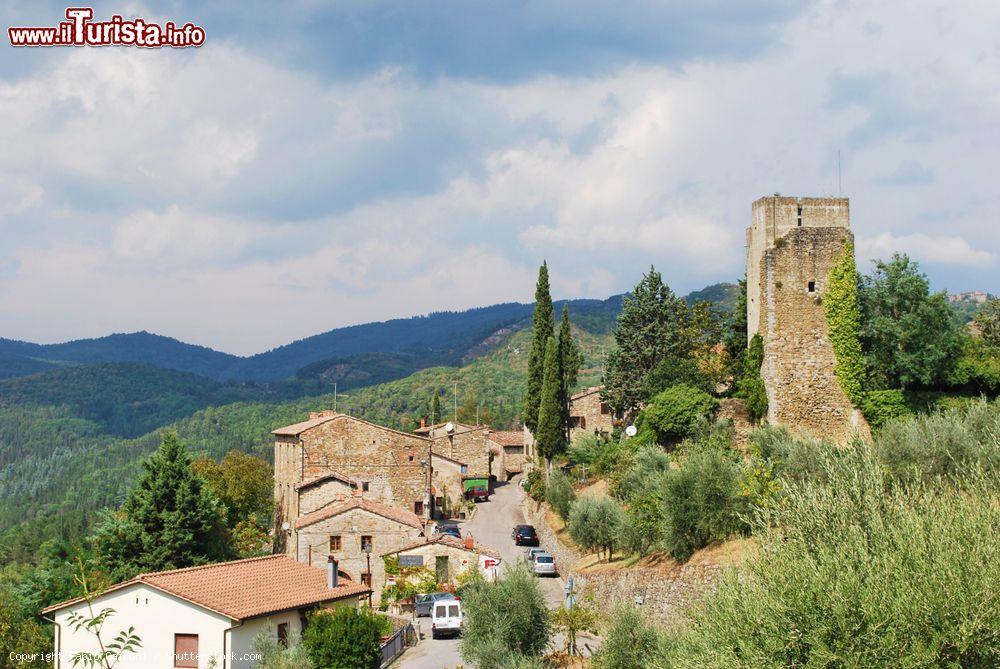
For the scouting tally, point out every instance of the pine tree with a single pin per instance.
(542, 330)
(653, 325)
(550, 434)
(570, 360)
(168, 520)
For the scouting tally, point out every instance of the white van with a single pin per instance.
(446, 618)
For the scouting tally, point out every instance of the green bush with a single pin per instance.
(856, 572)
(672, 414)
(559, 493)
(630, 641)
(598, 453)
(751, 386)
(273, 655)
(345, 638)
(673, 370)
(701, 502)
(595, 523)
(942, 444)
(641, 529)
(640, 475)
(535, 485)
(504, 621)
(881, 406)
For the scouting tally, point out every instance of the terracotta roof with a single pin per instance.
(298, 428)
(511, 469)
(588, 391)
(244, 588)
(326, 477)
(435, 454)
(509, 438)
(371, 506)
(449, 540)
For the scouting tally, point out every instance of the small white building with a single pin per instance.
(187, 617)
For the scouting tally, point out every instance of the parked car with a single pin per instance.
(525, 535)
(450, 530)
(529, 555)
(543, 564)
(422, 604)
(478, 494)
(446, 620)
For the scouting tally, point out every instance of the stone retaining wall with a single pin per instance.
(534, 514)
(662, 596)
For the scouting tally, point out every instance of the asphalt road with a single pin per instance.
(491, 525)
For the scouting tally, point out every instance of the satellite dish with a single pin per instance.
(630, 430)
(286, 526)
(449, 428)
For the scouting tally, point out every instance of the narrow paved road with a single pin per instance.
(491, 526)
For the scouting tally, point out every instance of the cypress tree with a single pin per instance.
(435, 409)
(168, 521)
(570, 360)
(541, 332)
(550, 435)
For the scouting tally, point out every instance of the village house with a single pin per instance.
(356, 531)
(588, 414)
(448, 557)
(467, 444)
(514, 450)
(188, 617)
(447, 484)
(332, 454)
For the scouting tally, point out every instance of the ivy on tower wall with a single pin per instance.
(843, 317)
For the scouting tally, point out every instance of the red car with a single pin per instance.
(478, 494)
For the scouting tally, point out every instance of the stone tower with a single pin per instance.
(792, 244)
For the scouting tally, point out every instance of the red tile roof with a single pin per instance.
(509, 438)
(584, 393)
(244, 588)
(326, 477)
(371, 506)
(298, 428)
(449, 540)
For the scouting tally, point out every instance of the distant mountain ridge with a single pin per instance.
(366, 353)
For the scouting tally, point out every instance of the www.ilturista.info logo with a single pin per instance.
(81, 30)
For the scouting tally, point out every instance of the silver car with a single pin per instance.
(423, 605)
(543, 564)
(529, 555)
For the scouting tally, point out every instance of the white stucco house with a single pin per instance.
(186, 617)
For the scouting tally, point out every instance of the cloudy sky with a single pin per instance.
(321, 164)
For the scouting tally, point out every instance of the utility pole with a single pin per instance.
(334, 397)
(456, 401)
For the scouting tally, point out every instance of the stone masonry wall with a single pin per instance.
(566, 557)
(470, 447)
(588, 415)
(389, 461)
(662, 597)
(322, 494)
(798, 371)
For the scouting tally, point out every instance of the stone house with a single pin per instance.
(465, 443)
(349, 526)
(588, 414)
(186, 617)
(514, 449)
(449, 557)
(446, 483)
(332, 453)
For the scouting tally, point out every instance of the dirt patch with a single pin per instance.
(729, 553)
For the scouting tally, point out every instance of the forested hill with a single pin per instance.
(363, 354)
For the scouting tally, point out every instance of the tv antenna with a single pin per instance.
(840, 180)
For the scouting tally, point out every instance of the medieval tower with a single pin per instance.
(792, 244)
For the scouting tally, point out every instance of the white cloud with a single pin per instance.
(941, 249)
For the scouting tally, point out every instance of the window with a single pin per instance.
(283, 634)
(364, 486)
(335, 543)
(366, 578)
(605, 408)
(800, 215)
(812, 286)
(366, 541)
(186, 650)
(418, 508)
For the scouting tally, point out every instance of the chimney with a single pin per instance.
(339, 497)
(357, 492)
(423, 422)
(332, 577)
(313, 415)
(469, 542)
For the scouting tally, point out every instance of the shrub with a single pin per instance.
(559, 493)
(750, 386)
(535, 485)
(595, 522)
(673, 370)
(345, 638)
(642, 525)
(943, 444)
(630, 642)
(701, 503)
(641, 476)
(881, 406)
(672, 414)
(856, 572)
(275, 656)
(598, 453)
(504, 620)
